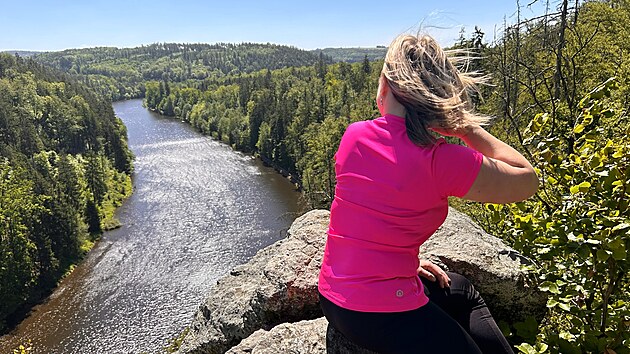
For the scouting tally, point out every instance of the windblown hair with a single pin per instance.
(426, 80)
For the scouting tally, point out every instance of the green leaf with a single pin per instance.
(595, 161)
(565, 306)
(567, 347)
(619, 254)
(526, 348)
(616, 243)
(618, 154)
(618, 249)
(602, 255)
(582, 187)
(621, 226)
(527, 329)
(550, 287)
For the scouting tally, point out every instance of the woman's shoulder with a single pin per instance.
(360, 124)
(358, 127)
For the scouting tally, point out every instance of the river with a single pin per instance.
(198, 209)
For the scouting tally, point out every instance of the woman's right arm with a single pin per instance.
(505, 175)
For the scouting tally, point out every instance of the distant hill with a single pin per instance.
(22, 53)
(352, 55)
(120, 73)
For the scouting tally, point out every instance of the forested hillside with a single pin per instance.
(292, 118)
(559, 93)
(353, 55)
(120, 73)
(21, 53)
(64, 167)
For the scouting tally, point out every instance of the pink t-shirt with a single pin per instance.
(391, 195)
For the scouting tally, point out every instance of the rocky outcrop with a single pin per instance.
(279, 285)
(463, 247)
(295, 338)
(312, 337)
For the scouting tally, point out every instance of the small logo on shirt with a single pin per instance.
(399, 293)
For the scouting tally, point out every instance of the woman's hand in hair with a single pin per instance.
(455, 132)
(433, 272)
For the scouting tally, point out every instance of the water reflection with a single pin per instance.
(198, 210)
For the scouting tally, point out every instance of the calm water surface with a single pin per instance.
(198, 210)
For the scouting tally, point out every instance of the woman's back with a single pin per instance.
(391, 195)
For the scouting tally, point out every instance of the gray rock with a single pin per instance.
(304, 337)
(299, 338)
(279, 284)
(461, 246)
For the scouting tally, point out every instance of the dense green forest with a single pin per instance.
(120, 73)
(292, 118)
(559, 92)
(64, 167)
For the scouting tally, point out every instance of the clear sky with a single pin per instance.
(62, 24)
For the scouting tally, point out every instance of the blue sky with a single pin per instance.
(62, 24)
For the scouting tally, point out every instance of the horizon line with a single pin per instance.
(377, 46)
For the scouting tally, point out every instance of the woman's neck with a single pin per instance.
(392, 106)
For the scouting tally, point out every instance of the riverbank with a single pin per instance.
(116, 196)
(197, 210)
(292, 177)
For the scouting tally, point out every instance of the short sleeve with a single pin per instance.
(455, 168)
(347, 141)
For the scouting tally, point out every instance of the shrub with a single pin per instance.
(576, 231)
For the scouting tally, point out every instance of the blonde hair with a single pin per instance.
(426, 80)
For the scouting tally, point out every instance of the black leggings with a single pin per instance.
(456, 320)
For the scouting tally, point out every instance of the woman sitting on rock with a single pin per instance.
(393, 182)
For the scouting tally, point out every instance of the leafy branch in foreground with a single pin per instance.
(578, 232)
